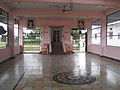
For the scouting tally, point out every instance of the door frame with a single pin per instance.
(61, 32)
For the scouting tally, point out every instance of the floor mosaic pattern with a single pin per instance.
(72, 79)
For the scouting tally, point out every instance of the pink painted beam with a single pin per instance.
(46, 12)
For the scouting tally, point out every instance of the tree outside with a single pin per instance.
(78, 40)
(32, 39)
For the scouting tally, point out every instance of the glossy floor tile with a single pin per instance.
(36, 72)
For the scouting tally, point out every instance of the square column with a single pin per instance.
(103, 32)
(67, 43)
(22, 25)
(11, 34)
(103, 35)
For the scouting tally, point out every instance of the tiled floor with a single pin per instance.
(38, 71)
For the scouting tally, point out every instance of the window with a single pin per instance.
(113, 29)
(118, 35)
(16, 32)
(96, 32)
(3, 28)
(110, 35)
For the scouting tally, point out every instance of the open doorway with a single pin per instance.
(79, 40)
(56, 34)
(56, 40)
(32, 40)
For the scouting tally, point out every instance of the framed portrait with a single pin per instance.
(31, 23)
(81, 25)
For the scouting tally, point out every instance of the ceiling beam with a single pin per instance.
(92, 2)
(57, 13)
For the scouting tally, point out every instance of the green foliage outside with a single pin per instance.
(3, 41)
(75, 34)
(35, 33)
(33, 40)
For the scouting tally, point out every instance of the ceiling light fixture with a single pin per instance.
(65, 7)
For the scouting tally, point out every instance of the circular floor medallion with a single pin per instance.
(71, 79)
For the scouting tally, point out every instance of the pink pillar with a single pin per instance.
(46, 38)
(66, 33)
(46, 34)
(89, 32)
(38, 22)
(11, 34)
(103, 34)
(67, 43)
(22, 24)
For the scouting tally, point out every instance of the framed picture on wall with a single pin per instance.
(81, 25)
(31, 23)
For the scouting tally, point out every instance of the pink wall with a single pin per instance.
(68, 23)
(103, 49)
(46, 22)
(95, 49)
(43, 22)
(113, 52)
(16, 50)
(12, 50)
(5, 54)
